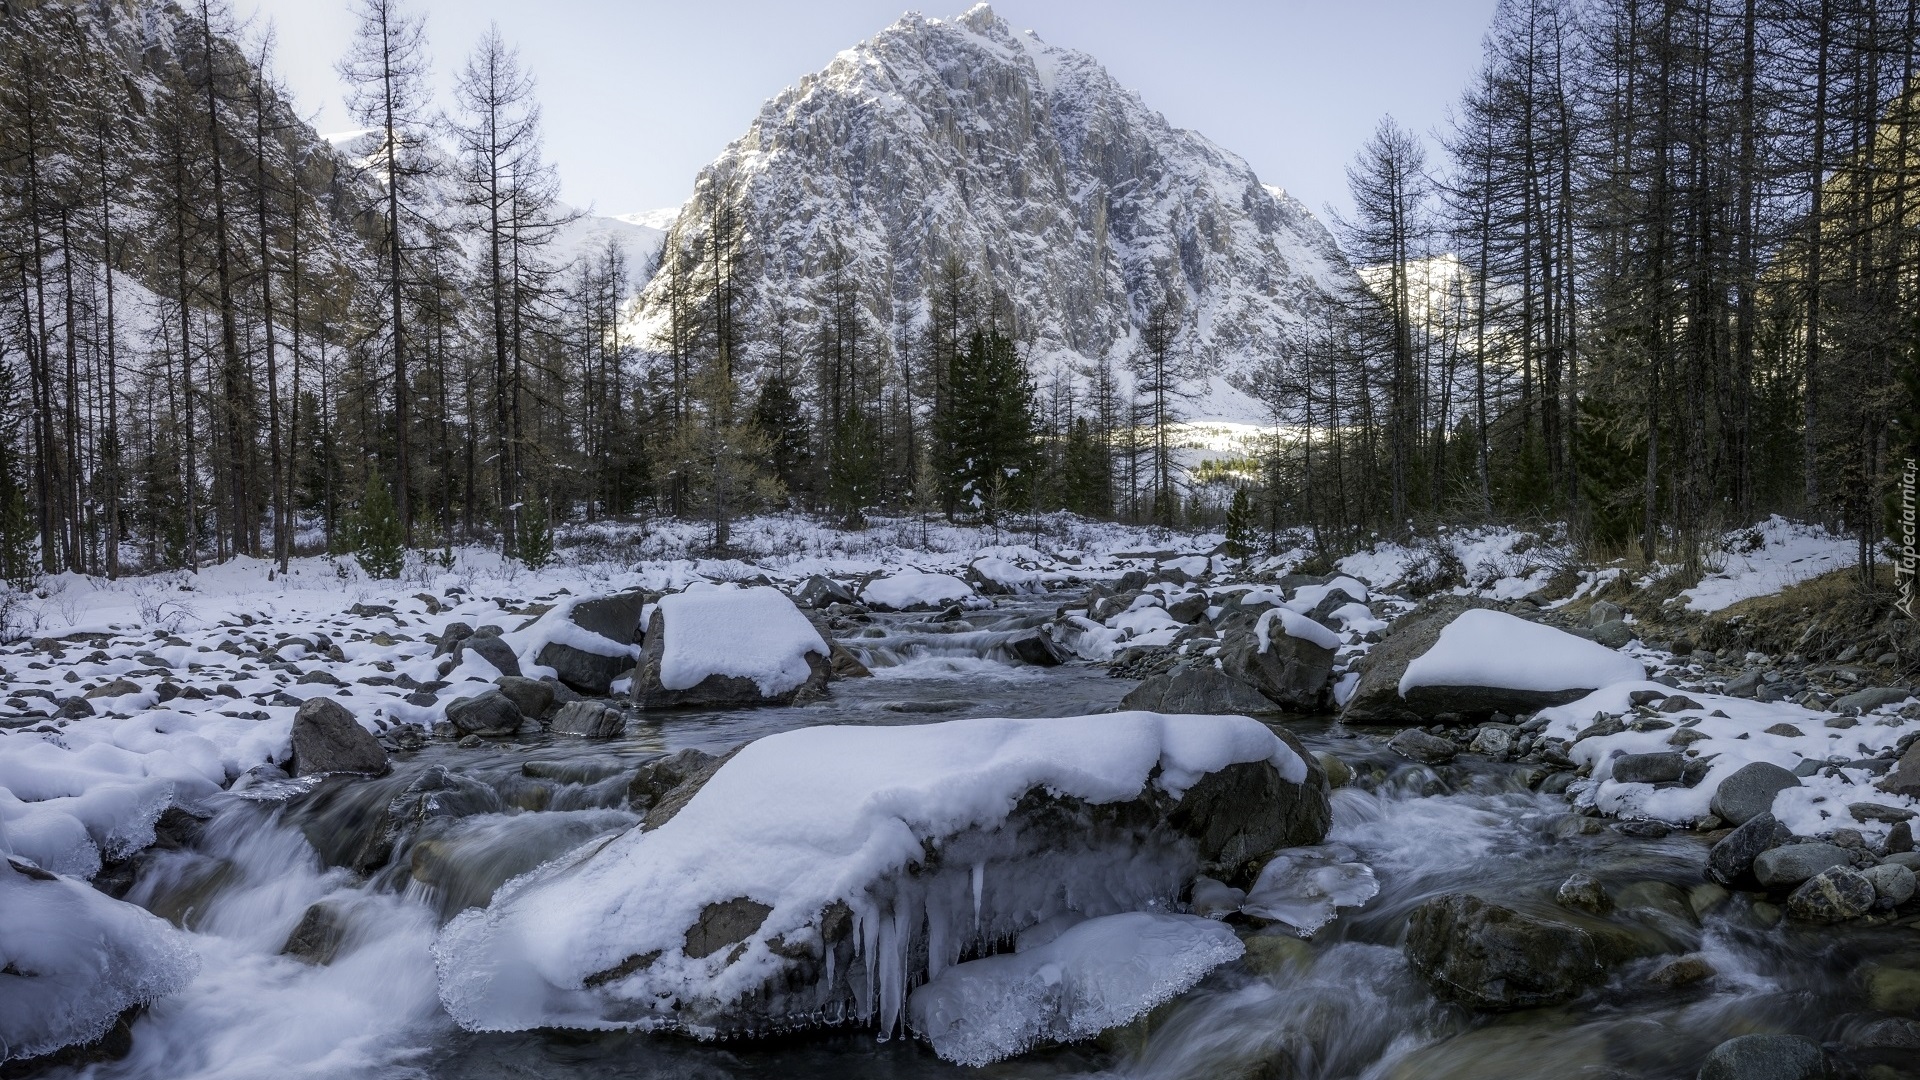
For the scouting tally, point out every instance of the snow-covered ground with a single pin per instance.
(1766, 559)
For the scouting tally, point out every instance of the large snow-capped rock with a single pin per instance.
(729, 646)
(1451, 657)
(1060, 187)
(820, 873)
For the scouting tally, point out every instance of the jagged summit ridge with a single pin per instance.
(1062, 189)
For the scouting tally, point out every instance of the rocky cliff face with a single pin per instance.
(1059, 187)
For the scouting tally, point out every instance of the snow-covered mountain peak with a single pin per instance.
(1058, 187)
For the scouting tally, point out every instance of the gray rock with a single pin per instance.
(1658, 768)
(490, 648)
(1682, 971)
(1422, 747)
(1614, 634)
(1790, 864)
(1731, 860)
(587, 672)
(318, 937)
(491, 713)
(616, 617)
(1880, 812)
(116, 688)
(1582, 893)
(451, 637)
(1198, 688)
(590, 719)
(1765, 1057)
(1035, 648)
(724, 925)
(819, 591)
(1892, 883)
(1904, 779)
(327, 739)
(655, 780)
(1493, 740)
(1745, 683)
(533, 697)
(1495, 958)
(1189, 608)
(1603, 612)
(1871, 698)
(1832, 895)
(1749, 792)
(1293, 672)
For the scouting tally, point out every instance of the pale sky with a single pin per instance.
(639, 95)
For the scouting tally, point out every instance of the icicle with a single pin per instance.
(868, 932)
(937, 918)
(979, 885)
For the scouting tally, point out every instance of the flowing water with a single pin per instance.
(450, 825)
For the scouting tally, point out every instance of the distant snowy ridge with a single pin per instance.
(1060, 187)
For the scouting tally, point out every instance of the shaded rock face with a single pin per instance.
(1376, 699)
(1905, 777)
(586, 672)
(1292, 673)
(491, 649)
(590, 719)
(1220, 827)
(327, 739)
(616, 617)
(960, 137)
(491, 713)
(531, 696)
(1731, 860)
(662, 787)
(1495, 958)
(714, 691)
(1197, 689)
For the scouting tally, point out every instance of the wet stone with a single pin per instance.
(1582, 893)
(1789, 865)
(1765, 1057)
(1833, 895)
(1419, 746)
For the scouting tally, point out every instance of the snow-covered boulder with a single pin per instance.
(820, 872)
(1003, 577)
(1456, 657)
(1284, 655)
(73, 959)
(915, 590)
(729, 646)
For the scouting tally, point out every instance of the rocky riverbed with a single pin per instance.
(1706, 869)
